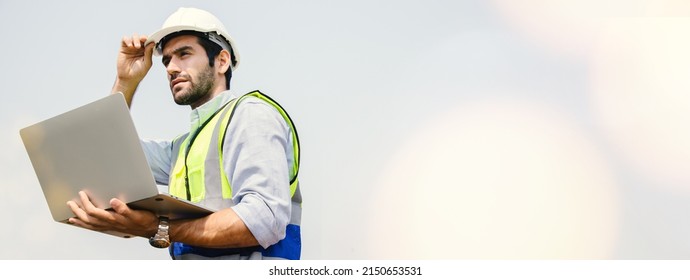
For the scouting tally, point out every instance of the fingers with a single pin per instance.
(134, 41)
(81, 218)
(91, 209)
(134, 46)
(120, 207)
(78, 212)
(121, 218)
(139, 41)
(133, 62)
(89, 214)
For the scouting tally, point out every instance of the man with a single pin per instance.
(240, 157)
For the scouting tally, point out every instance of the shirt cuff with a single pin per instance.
(259, 219)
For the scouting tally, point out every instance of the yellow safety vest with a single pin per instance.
(191, 173)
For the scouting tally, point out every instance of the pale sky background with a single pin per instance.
(496, 129)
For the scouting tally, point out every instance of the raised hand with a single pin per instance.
(133, 63)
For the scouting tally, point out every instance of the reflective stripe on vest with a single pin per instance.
(189, 177)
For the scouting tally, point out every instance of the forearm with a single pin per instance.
(222, 229)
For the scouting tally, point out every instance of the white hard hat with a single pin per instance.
(194, 19)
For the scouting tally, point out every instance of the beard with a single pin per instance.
(200, 88)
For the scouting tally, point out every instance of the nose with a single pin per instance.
(173, 69)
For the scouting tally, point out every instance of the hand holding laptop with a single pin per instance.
(120, 218)
(92, 156)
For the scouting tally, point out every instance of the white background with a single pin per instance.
(430, 129)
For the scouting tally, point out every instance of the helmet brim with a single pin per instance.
(157, 36)
(160, 34)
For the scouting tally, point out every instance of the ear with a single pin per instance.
(223, 62)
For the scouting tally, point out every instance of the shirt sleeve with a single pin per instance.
(159, 156)
(256, 159)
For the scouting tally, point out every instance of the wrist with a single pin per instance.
(152, 229)
(125, 87)
(161, 239)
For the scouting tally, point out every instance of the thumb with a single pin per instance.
(148, 53)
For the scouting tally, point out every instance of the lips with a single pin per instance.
(177, 81)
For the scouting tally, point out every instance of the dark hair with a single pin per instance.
(212, 49)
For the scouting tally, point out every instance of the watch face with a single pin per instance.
(159, 243)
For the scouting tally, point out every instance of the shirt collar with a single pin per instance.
(201, 114)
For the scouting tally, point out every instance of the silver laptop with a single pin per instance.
(96, 148)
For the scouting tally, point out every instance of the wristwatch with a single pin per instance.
(162, 238)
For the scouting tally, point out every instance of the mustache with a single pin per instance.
(172, 77)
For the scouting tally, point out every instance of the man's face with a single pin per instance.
(190, 76)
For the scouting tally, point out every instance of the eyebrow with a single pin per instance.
(166, 57)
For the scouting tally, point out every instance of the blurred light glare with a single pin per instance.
(495, 180)
(569, 27)
(640, 84)
(560, 26)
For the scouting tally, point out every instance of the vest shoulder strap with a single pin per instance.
(225, 122)
(177, 143)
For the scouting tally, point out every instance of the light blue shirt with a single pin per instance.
(257, 157)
